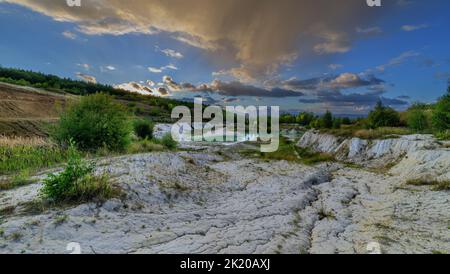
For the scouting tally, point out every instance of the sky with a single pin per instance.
(301, 55)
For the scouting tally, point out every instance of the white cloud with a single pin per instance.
(334, 43)
(170, 66)
(414, 27)
(87, 78)
(172, 53)
(69, 35)
(85, 66)
(161, 69)
(143, 89)
(405, 56)
(369, 31)
(154, 70)
(335, 66)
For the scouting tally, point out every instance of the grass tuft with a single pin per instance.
(436, 185)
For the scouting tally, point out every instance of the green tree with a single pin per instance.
(327, 120)
(383, 116)
(95, 122)
(304, 118)
(417, 120)
(441, 114)
(337, 122)
(346, 121)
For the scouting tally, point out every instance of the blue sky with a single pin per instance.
(300, 57)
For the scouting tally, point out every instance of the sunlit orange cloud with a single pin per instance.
(261, 35)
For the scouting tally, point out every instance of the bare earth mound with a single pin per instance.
(26, 111)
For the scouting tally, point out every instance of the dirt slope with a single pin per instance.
(26, 111)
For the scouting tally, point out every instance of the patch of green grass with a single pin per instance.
(369, 134)
(326, 215)
(144, 146)
(34, 207)
(27, 157)
(442, 186)
(7, 210)
(438, 252)
(288, 151)
(16, 236)
(310, 158)
(59, 220)
(21, 179)
(436, 185)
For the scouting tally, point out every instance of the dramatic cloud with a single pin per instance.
(142, 89)
(87, 78)
(342, 81)
(334, 43)
(261, 35)
(353, 102)
(239, 89)
(328, 91)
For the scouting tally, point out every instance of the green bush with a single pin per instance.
(383, 116)
(441, 114)
(169, 142)
(305, 118)
(76, 183)
(143, 129)
(95, 122)
(327, 120)
(59, 187)
(417, 120)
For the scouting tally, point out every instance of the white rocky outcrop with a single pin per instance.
(419, 155)
(214, 201)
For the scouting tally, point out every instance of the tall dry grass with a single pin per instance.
(7, 141)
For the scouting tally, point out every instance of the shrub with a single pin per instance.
(169, 142)
(337, 122)
(77, 183)
(417, 120)
(60, 187)
(143, 129)
(441, 114)
(327, 120)
(305, 118)
(95, 122)
(383, 116)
